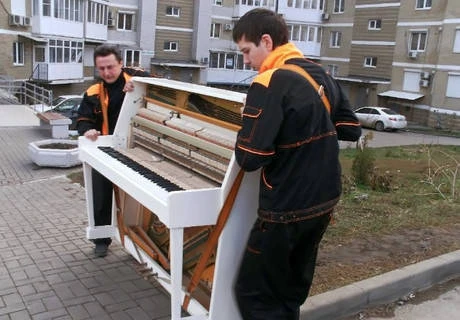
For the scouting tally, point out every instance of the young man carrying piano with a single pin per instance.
(291, 126)
(98, 115)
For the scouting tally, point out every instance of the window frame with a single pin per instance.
(374, 24)
(18, 53)
(65, 51)
(333, 69)
(132, 61)
(423, 4)
(170, 45)
(419, 34)
(370, 62)
(339, 6)
(453, 79)
(216, 29)
(335, 40)
(175, 11)
(456, 44)
(121, 20)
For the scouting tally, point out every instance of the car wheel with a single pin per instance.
(379, 126)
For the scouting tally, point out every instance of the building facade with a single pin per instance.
(400, 54)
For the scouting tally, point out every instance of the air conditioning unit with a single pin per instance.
(425, 75)
(228, 27)
(204, 60)
(325, 16)
(26, 21)
(424, 83)
(413, 54)
(111, 22)
(15, 20)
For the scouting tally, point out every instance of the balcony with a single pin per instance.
(58, 73)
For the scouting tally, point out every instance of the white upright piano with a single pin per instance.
(172, 162)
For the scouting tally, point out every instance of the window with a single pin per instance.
(411, 81)
(339, 6)
(215, 30)
(125, 21)
(65, 9)
(217, 2)
(240, 63)
(39, 54)
(170, 46)
(453, 83)
(18, 53)
(336, 39)
(375, 24)
(333, 70)
(303, 32)
(65, 51)
(418, 41)
(370, 62)
(224, 60)
(295, 32)
(172, 11)
(423, 4)
(457, 41)
(230, 61)
(132, 58)
(47, 8)
(97, 13)
(253, 3)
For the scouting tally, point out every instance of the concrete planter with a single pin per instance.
(48, 153)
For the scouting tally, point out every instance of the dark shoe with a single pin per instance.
(101, 249)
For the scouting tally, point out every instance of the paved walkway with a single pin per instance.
(47, 267)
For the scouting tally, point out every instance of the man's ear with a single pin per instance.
(266, 40)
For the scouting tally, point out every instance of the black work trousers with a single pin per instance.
(277, 268)
(102, 202)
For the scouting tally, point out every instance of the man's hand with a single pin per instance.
(92, 134)
(129, 86)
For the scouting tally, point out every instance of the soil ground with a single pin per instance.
(365, 257)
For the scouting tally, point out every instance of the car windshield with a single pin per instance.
(57, 101)
(389, 111)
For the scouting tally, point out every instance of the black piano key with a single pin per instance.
(145, 172)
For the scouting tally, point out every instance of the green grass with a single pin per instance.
(412, 200)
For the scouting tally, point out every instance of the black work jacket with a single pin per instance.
(288, 132)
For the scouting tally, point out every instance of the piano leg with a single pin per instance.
(176, 245)
(93, 231)
(89, 197)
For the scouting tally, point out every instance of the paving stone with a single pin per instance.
(20, 315)
(47, 268)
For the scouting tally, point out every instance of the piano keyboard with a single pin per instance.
(143, 171)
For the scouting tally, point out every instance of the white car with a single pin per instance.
(63, 101)
(380, 118)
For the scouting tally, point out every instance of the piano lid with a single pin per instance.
(223, 94)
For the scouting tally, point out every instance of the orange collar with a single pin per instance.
(277, 57)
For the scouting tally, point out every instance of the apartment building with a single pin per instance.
(225, 63)
(426, 63)
(401, 54)
(53, 41)
(177, 23)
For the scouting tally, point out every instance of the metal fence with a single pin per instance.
(24, 92)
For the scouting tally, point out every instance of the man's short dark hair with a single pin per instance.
(105, 50)
(258, 22)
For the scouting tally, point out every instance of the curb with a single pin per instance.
(382, 289)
